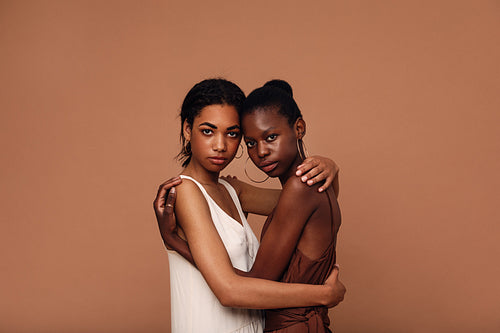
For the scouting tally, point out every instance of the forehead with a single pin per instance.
(263, 119)
(218, 114)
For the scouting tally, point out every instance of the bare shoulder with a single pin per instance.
(189, 198)
(295, 186)
(295, 191)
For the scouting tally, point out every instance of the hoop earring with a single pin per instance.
(301, 147)
(246, 173)
(241, 151)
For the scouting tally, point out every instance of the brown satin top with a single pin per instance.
(303, 269)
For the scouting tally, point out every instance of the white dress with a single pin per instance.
(194, 306)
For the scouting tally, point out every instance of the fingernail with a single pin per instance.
(299, 172)
(309, 182)
(303, 178)
(320, 189)
(172, 190)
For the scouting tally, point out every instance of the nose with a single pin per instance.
(219, 143)
(262, 150)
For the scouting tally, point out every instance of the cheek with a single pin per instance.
(233, 146)
(253, 155)
(288, 148)
(197, 141)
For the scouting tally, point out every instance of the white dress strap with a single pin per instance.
(252, 240)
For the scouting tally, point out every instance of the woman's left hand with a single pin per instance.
(164, 209)
(318, 168)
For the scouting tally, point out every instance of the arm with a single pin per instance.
(296, 204)
(213, 262)
(262, 201)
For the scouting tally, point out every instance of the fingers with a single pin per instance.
(307, 165)
(334, 275)
(313, 176)
(326, 184)
(316, 175)
(163, 190)
(172, 195)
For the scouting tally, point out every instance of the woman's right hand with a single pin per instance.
(336, 288)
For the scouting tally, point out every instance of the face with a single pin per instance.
(214, 136)
(271, 141)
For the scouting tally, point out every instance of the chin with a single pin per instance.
(216, 168)
(274, 173)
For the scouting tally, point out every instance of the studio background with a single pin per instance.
(404, 95)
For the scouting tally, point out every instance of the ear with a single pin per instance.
(186, 130)
(300, 128)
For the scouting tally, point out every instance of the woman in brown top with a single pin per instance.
(299, 237)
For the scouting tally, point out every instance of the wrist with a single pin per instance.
(328, 294)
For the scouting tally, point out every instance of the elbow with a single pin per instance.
(226, 301)
(227, 296)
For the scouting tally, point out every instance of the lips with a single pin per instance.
(217, 160)
(268, 166)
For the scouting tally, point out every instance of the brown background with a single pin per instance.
(404, 95)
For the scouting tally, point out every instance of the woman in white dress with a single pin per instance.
(213, 298)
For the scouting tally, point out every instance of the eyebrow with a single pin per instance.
(208, 124)
(266, 132)
(215, 127)
(270, 129)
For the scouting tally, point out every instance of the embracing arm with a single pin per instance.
(294, 208)
(213, 262)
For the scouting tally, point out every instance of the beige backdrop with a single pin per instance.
(404, 95)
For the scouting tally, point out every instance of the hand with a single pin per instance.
(337, 288)
(317, 168)
(233, 180)
(164, 208)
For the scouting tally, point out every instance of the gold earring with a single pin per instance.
(246, 173)
(301, 147)
(241, 151)
(187, 148)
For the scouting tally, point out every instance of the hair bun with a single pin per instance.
(281, 84)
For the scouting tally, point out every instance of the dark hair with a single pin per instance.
(275, 94)
(205, 93)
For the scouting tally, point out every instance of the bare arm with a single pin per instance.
(296, 204)
(213, 262)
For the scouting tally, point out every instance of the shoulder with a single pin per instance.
(187, 187)
(189, 196)
(296, 186)
(295, 190)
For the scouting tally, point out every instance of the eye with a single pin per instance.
(271, 137)
(233, 134)
(207, 131)
(250, 144)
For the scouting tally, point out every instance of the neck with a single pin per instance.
(201, 174)
(291, 171)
